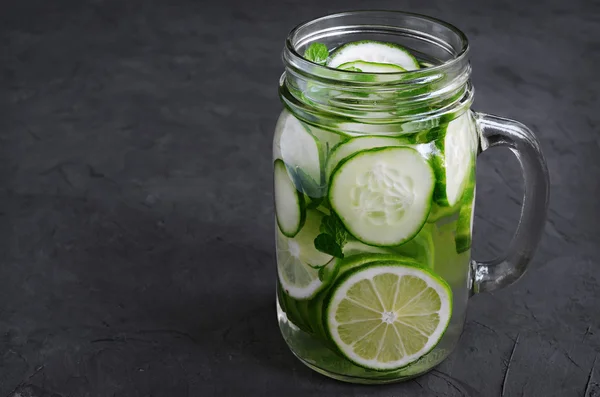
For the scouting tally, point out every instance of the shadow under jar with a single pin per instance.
(374, 196)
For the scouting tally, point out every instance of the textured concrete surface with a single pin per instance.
(135, 200)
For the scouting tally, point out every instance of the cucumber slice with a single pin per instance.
(371, 67)
(373, 51)
(358, 144)
(301, 151)
(383, 195)
(464, 225)
(289, 202)
(455, 160)
(298, 259)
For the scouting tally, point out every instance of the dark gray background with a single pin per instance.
(136, 215)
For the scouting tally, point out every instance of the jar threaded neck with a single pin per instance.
(319, 94)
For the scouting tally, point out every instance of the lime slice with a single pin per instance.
(298, 279)
(387, 315)
(336, 267)
(298, 261)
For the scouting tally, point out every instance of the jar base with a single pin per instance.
(357, 380)
(312, 351)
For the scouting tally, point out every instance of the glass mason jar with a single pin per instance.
(375, 173)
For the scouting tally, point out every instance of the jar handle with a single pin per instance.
(508, 268)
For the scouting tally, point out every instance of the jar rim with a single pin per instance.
(295, 59)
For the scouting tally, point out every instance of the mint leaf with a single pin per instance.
(332, 225)
(328, 225)
(305, 183)
(333, 236)
(317, 53)
(326, 243)
(309, 186)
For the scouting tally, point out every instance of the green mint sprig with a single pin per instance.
(333, 236)
(317, 53)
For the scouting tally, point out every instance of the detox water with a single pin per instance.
(435, 246)
(373, 230)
